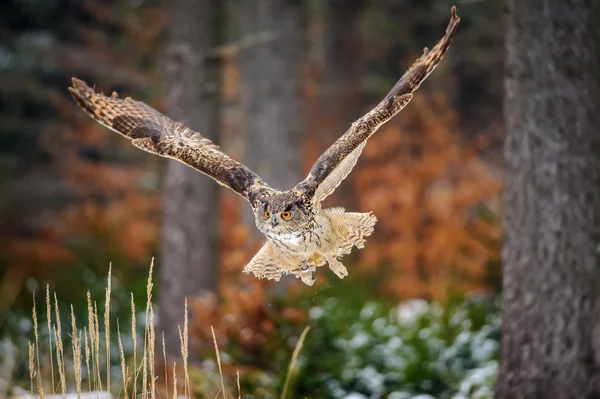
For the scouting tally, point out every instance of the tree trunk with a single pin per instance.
(271, 89)
(342, 78)
(189, 243)
(273, 115)
(551, 286)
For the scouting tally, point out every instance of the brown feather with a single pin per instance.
(337, 162)
(154, 132)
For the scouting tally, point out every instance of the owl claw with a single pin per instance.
(304, 266)
(309, 276)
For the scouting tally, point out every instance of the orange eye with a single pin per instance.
(267, 214)
(286, 215)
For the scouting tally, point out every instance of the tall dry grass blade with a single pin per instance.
(218, 360)
(90, 355)
(183, 345)
(123, 368)
(145, 373)
(151, 353)
(175, 381)
(149, 286)
(60, 352)
(188, 388)
(237, 379)
(107, 326)
(164, 350)
(76, 353)
(134, 335)
(61, 366)
(37, 350)
(31, 365)
(96, 343)
(49, 320)
(293, 362)
(87, 359)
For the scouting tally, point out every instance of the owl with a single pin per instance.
(300, 234)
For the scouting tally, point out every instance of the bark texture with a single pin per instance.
(551, 287)
(341, 83)
(271, 71)
(189, 242)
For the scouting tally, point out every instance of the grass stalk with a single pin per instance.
(49, 320)
(107, 326)
(96, 344)
(218, 360)
(164, 349)
(123, 368)
(31, 365)
(76, 353)
(87, 358)
(292, 366)
(151, 352)
(134, 335)
(59, 361)
(174, 381)
(37, 350)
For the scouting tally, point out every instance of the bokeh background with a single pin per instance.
(274, 83)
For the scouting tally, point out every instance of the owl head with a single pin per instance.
(282, 213)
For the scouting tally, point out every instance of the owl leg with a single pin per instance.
(307, 274)
(337, 267)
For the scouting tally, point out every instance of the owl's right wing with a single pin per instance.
(264, 264)
(154, 132)
(334, 165)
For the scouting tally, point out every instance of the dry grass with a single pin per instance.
(88, 340)
(292, 367)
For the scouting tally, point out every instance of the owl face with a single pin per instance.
(283, 213)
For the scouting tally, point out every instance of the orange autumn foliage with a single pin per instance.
(428, 188)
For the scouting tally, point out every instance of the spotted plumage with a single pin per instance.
(301, 236)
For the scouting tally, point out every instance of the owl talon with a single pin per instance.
(309, 276)
(304, 266)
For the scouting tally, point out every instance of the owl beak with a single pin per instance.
(273, 222)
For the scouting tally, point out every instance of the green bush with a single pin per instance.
(417, 348)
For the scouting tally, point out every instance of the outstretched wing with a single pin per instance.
(336, 163)
(154, 132)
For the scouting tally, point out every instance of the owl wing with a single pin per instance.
(154, 132)
(334, 165)
(264, 264)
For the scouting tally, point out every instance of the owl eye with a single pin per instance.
(285, 215)
(267, 214)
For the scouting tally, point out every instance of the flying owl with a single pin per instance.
(301, 236)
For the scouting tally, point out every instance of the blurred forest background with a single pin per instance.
(274, 83)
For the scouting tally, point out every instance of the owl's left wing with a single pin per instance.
(151, 131)
(334, 165)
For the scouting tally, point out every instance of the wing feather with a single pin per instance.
(264, 264)
(334, 165)
(154, 132)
